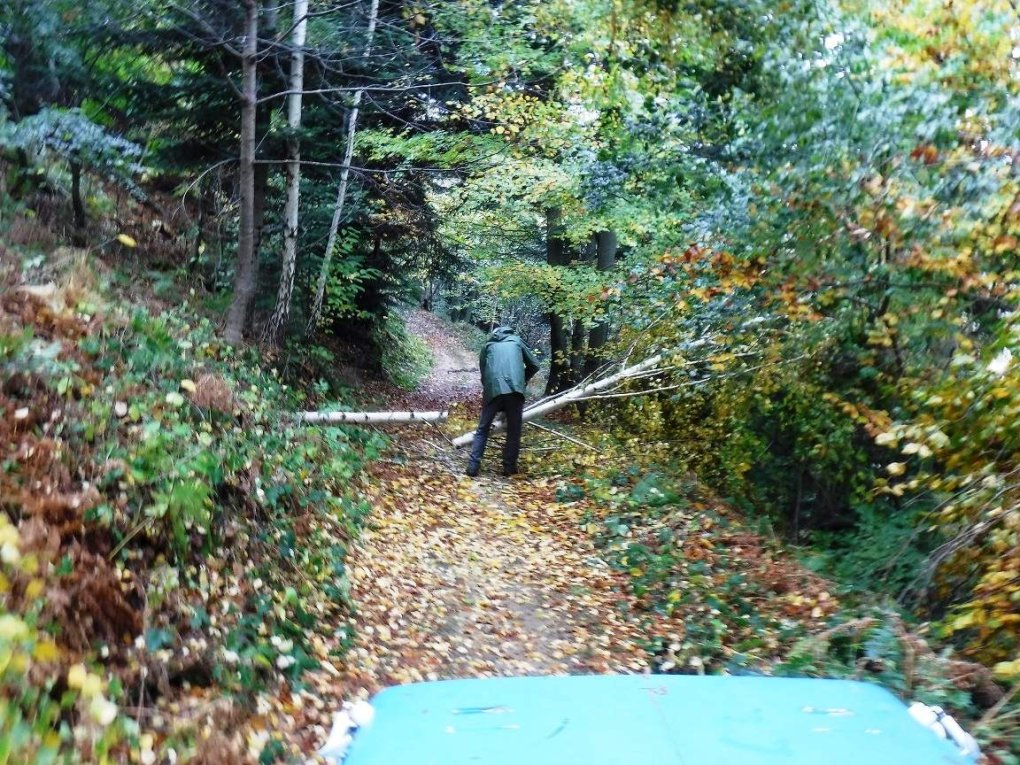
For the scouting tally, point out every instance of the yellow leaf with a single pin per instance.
(896, 468)
(76, 676)
(126, 240)
(19, 662)
(35, 588)
(102, 710)
(1007, 670)
(12, 628)
(188, 385)
(46, 651)
(962, 622)
(92, 686)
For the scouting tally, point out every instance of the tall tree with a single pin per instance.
(246, 274)
(559, 349)
(605, 248)
(341, 195)
(289, 264)
(579, 335)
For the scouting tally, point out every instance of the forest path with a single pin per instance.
(454, 374)
(454, 577)
(459, 577)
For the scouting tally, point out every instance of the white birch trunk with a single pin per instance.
(569, 396)
(535, 410)
(341, 195)
(290, 230)
(376, 418)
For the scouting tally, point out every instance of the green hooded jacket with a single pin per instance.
(506, 364)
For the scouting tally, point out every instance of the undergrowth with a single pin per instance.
(406, 359)
(883, 553)
(469, 335)
(736, 600)
(169, 533)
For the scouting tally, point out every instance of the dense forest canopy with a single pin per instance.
(810, 208)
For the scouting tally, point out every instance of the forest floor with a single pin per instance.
(593, 560)
(462, 577)
(459, 577)
(456, 577)
(603, 556)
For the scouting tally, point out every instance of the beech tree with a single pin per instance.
(559, 342)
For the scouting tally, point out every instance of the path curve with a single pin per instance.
(454, 376)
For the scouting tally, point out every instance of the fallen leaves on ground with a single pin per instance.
(463, 578)
(458, 577)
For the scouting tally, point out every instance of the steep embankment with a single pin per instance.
(172, 541)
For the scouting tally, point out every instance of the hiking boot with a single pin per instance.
(509, 471)
(472, 471)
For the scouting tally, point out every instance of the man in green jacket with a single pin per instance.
(506, 365)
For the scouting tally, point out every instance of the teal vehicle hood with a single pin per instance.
(645, 720)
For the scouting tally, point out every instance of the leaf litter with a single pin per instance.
(455, 577)
(451, 577)
(458, 578)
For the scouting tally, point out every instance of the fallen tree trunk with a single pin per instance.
(545, 406)
(578, 393)
(379, 418)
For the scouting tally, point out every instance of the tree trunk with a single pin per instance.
(577, 359)
(574, 394)
(244, 277)
(290, 233)
(606, 245)
(537, 409)
(263, 126)
(558, 362)
(198, 246)
(578, 335)
(260, 184)
(555, 255)
(378, 418)
(341, 194)
(77, 207)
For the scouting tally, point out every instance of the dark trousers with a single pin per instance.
(512, 406)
